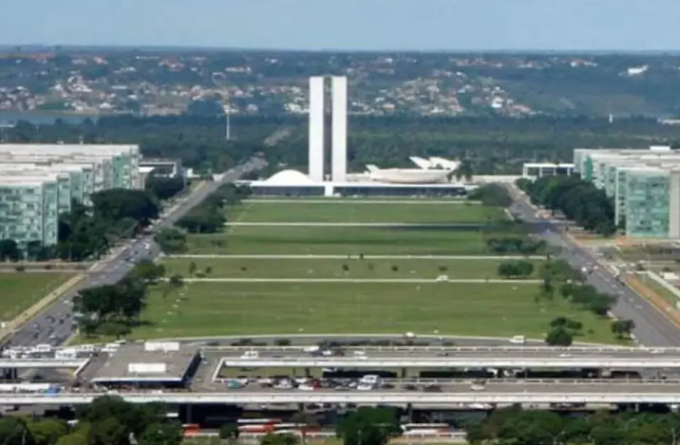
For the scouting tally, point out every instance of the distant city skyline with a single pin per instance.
(368, 25)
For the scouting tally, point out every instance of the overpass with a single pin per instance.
(518, 361)
(596, 394)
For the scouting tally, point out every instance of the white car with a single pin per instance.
(477, 387)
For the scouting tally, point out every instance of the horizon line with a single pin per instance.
(31, 47)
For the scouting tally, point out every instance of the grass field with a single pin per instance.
(331, 268)
(18, 291)
(368, 212)
(341, 241)
(209, 309)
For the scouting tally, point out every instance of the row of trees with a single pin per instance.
(209, 216)
(514, 425)
(88, 231)
(490, 145)
(515, 269)
(106, 421)
(514, 244)
(109, 420)
(364, 426)
(114, 309)
(492, 195)
(558, 275)
(576, 199)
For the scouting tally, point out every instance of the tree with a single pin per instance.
(229, 431)
(579, 200)
(161, 434)
(177, 281)
(109, 431)
(369, 426)
(492, 195)
(116, 204)
(14, 431)
(280, 439)
(9, 250)
(559, 337)
(515, 269)
(164, 188)
(203, 219)
(75, 438)
(47, 431)
(547, 288)
(622, 328)
(148, 271)
(171, 240)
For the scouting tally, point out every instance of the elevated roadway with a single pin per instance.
(453, 357)
(518, 362)
(452, 394)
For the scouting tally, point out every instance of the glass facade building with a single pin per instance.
(644, 185)
(39, 182)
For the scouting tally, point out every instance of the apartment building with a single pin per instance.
(39, 182)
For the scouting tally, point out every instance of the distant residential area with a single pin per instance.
(254, 83)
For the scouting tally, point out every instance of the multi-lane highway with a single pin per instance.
(450, 357)
(652, 328)
(55, 324)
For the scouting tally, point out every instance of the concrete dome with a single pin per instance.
(289, 177)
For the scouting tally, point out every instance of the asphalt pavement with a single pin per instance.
(55, 324)
(652, 328)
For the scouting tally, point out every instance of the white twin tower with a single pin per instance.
(317, 124)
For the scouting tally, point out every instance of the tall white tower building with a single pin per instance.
(338, 130)
(316, 128)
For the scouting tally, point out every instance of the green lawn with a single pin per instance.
(18, 291)
(367, 212)
(332, 268)
(659, 290)
(210, 309)
(293, 240)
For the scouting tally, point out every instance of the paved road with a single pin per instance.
(56, 321)
(460, 353)
(651, 327)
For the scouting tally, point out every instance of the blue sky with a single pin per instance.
(347, 24)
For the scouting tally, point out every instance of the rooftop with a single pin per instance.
(134, 363)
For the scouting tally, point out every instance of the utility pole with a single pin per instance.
(226, 105)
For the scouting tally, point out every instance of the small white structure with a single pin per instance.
(147, 368)
(167, 346)
(541, 169)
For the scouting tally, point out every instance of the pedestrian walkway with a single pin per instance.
(359, 280)
(365, 257)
